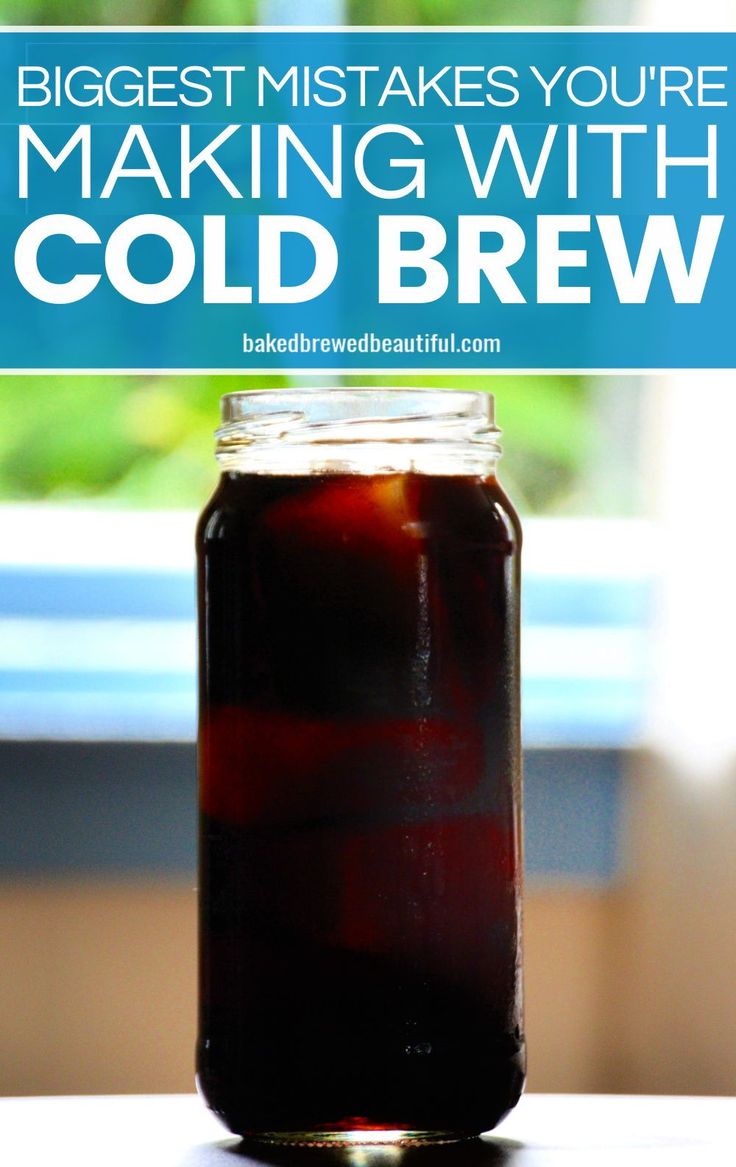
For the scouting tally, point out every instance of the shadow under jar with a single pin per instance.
(359, 764)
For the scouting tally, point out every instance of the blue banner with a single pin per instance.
(367, 200)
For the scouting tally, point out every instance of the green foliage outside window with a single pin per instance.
(464, 11)
(148, 441)
(234, 12)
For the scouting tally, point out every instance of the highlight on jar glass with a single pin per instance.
(359, 765)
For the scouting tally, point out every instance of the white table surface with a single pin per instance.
(544, 1131)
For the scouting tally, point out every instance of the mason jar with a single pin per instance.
(359, 765)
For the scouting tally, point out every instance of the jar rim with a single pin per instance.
(357, 430)
(341, 404)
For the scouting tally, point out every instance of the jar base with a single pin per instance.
(357, 1138)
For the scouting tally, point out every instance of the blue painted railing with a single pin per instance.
(108, 651)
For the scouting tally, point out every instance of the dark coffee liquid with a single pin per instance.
(359, 784)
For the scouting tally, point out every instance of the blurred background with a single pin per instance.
(626, 490)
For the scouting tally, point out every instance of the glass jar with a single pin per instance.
(359, 761)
